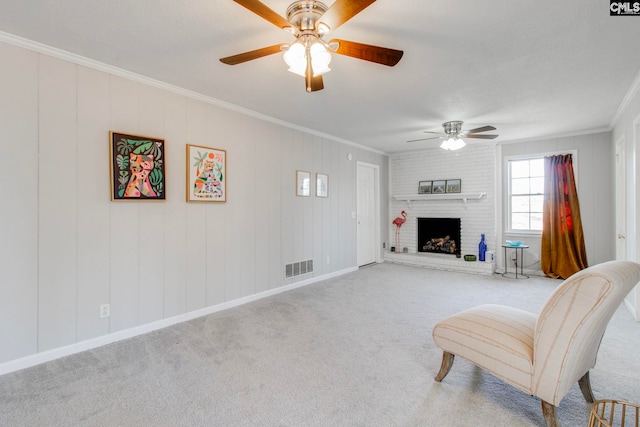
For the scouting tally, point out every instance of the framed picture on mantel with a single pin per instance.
(453, 186)
(439, 187)
(424, 187)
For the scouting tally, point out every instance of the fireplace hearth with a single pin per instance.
(439, 235)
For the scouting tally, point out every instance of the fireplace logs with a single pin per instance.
(441, 244)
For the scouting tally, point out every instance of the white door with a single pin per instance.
(367, 215)
(621, 197)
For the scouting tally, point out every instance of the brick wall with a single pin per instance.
(475, 165)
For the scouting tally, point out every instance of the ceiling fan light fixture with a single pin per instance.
(452, 143)
(309, 21)
(296, 57)
(320, 58)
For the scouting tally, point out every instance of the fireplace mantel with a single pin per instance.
(410, 198)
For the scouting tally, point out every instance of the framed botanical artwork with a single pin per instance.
(206, 174)
(322, 185)
(303, 183)
(439, 187)
(137, 167)
(424, 187)
(453, 186)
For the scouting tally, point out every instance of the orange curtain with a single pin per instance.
(563, 250)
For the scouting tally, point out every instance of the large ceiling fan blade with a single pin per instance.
(377, 54)
(265, 12)
(341, 11)
(252, 54)
(426, 139)
(480, 136)
(480, 129)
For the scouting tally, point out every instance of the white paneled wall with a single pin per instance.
(19, 195)
(58, 206)
(65, 248)
(475, 165)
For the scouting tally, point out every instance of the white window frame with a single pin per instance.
(507, 186)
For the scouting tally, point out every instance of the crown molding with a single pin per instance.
(557, 136)
(633, 91)
(139, 78)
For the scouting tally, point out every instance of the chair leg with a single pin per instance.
(445, 367)
(549, 414)
(585, 388)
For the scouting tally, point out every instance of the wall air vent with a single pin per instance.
(298, 268)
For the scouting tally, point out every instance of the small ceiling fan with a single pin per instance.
(309, 55)
(453, 135)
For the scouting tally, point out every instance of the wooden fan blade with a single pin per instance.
(264, 12)
(480, 129)
(426, 139)
(480, 136)
(252, 54)
(341, 11)
(377, 54)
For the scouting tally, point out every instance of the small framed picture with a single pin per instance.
(303, 183)
(424, 187)
(322, 185)
(453, 186)
(439, 187)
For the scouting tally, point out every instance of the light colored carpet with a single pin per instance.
(351, 351)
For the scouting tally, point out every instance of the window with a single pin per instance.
(525, 194)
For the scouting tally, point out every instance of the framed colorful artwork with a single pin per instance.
(322, 185)
(303, 183)
(137, 167)
(206, 174)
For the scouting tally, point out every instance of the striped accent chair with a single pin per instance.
(543, 355)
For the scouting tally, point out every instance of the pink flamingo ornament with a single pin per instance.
(398, 223)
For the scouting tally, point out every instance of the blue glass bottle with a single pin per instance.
(482, 248)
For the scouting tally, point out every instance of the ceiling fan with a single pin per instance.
(453, 135)
(309, 55)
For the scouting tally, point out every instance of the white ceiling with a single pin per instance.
(532, 69)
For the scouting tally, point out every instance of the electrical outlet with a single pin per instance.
(105, 310)
(328, 260)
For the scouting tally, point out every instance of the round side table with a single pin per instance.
(506, 261)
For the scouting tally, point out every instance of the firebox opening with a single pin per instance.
(439, 235)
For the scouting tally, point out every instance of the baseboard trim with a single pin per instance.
(57, 353)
